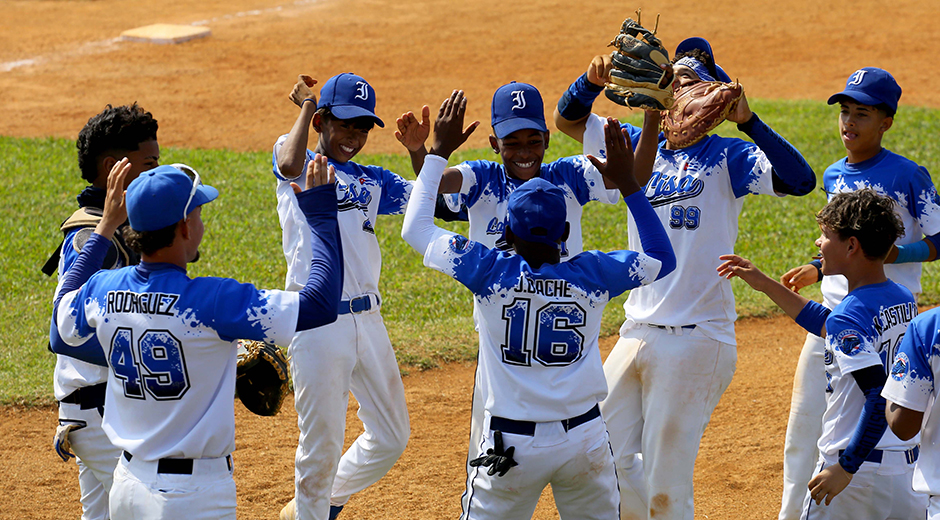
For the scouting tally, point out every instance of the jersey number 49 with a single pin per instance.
(153, 363)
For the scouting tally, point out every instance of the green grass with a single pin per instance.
(428, 315)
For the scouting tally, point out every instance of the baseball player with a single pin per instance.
(676, 353)
(911, 398)
(357, 345)
(863, 471)
(867, 107)
(539, 320)
(116, 132)
(170, 341)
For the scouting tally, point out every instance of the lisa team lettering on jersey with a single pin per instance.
(912, 384)
(690, 188)
(143, 330)
(363, 192)
(486, 188)
(918, 206)
(864, 330)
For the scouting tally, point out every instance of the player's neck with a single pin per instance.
(168, 255)
(866, 273)
(862, 155)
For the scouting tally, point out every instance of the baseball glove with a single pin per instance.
(638, 79)
(262, 376)
(699, 108)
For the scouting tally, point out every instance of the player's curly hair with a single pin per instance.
(865, 215)
(698, 54)
(149, 242)
(115, 128)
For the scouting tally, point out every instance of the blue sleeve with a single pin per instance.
(471, 262)
(90, 351)
(87, 264)
(652, 234)
(395, 192)
(812, 317)
(872, 423)
(791, 173)
(576, 102)
(319, 298)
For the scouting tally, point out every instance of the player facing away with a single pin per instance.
(863, 471)
(538, 320)
(79, 387)
(867, 107)
(170, 340)
(361, 357)
(911, 395)
(678, 336)
(482, 188)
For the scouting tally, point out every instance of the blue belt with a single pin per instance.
(527, 428)
(876, 455)
(357, 305)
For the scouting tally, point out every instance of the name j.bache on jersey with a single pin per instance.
(160, 304)
(549, 287)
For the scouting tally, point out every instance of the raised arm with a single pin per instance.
(293, 152)
(792, 175)
(575, 104)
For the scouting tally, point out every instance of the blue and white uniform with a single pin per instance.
(362, 360)
(911, 384)
(863, 331)
(539, 363)
(486, 187)
(918, 206)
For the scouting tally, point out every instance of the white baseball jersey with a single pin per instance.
(911, 385)
(698, 193)
(362, 193)
(486, 188)
(862, 331)
(169, 341)
(918, 206)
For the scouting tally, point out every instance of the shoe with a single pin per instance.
(334, 512)
(288, 512)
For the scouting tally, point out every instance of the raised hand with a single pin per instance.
(413, 133)
(449, 132)
(618, 168)
(800, 277)
(302, 90)
(319, 172)
(599, 70)
(115, 209)
(744, 269)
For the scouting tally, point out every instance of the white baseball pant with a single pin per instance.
(877, 492)
(578, 464)
(807, 407)
(933, 508)
(476, 440)
(663, 385)
(352, 354)
(96, 458)
(156, 490)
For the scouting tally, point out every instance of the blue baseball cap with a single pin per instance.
(517, 106)
(871, 86)
(702, 44)
(348, 96)
(537, 212)
(159, 197)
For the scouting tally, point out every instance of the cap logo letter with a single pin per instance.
(858, 77)
(518, 99)
(363, 91)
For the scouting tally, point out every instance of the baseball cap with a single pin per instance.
(517, 106)
(347, 96)
(165, 195)
(871, 86)
(702, 44)
(537, 212)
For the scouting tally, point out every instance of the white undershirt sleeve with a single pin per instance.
(419, 229)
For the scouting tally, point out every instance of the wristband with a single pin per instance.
(916, 252)
(576, 102)
(817, 263)
(307, 99)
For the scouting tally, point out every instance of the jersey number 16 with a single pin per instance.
(557, 341)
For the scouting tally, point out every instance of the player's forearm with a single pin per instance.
(293, 152)
(792, 174)
(904, 422)
(872, 423)
(921, 251)
(789, 302)
(89, 262)
(417, 158)
(653, 236)
(646, 148)
(575, 104)
(418, 228)
(319, 298)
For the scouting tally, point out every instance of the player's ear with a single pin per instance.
(886, 124)
(316, 121)
(546, 134)
(494, 144)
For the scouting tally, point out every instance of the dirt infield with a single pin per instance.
(60, 64)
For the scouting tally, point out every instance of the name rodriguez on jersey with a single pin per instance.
(160, 304)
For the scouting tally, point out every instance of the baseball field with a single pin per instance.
(221, 102)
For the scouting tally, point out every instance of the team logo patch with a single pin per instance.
(518, 99)
(901, 365)
(850, 342)
(459, 243)
(362, 90)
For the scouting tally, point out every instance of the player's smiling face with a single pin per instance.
(341, 139)
(861, 128)
(522, 152)
(833, 251)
